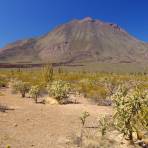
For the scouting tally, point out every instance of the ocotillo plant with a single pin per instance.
(47, 73)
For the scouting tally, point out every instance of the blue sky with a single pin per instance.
(20, 19)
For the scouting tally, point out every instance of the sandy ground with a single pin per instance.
(42, 126)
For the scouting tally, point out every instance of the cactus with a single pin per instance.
(59, 89)
(129, 110)
(83, 117)
(20, 86)
(103, 125)
(35, 92)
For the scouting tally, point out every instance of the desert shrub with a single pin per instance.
(144, 113)
(3, 108)
(104, 102)
(34, 92)
(70, 76)
(111, 84)
(59, 89)
(97, 93)
(1, 94)
(92, 89)
(60, 70)
(3, 81)
(130, 105)
(8, 146)
(20, 86)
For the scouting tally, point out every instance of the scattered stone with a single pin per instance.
(50, 101)
(15, 125)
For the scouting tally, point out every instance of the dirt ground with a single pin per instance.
(43, 126)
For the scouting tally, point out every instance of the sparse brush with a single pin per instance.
(1, 94)
(3, 81)
(92, 89)
(8, 146)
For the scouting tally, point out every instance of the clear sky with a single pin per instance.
(20, 19)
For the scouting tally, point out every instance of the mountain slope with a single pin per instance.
(84, 40)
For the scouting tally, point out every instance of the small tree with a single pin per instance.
(59, 89)
(20, 86)
(129, 110)
(35, 92)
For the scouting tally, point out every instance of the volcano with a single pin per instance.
(79, 41)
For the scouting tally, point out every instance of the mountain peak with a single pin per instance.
(87, 19)
(89, 39)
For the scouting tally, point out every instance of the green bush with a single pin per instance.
(59, 89)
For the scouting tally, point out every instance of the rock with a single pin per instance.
(50, 101)
(145, 141)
